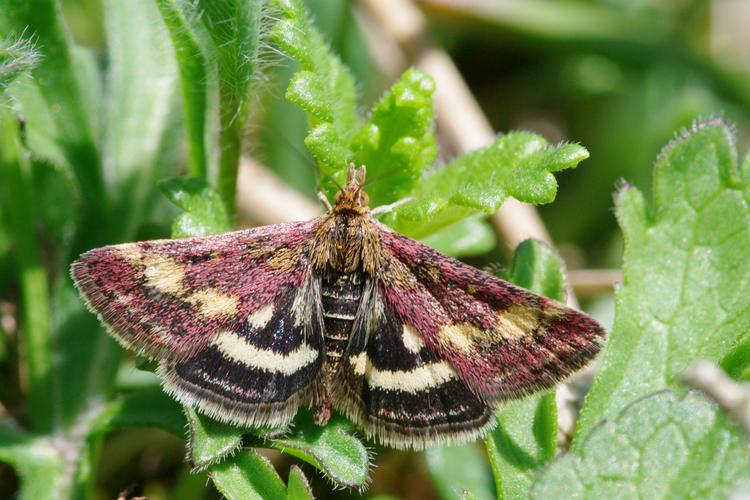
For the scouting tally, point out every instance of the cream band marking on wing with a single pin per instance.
(131, 252)
(516, 322)
(411, 339)
(460, 336)
(241, 351)
(413, 381)
(213, 302)
(163, 273)
(260, 318)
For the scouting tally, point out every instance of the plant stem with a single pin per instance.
(192, 66)
(230, 147)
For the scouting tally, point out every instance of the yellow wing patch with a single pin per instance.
(212, 302)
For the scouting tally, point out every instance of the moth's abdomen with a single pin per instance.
(341, 295)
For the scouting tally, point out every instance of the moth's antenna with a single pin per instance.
(373, 180)
(302, 155)
(331, 178)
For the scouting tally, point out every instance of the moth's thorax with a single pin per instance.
(347, 243)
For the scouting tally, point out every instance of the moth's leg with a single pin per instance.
(384, 209)
(325, 202)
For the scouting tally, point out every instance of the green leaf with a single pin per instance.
(324, 87)
(209, 440)
(526, 436)
(204, 211)
(18, 194)
(17, 57)
(684, 295)
(460, 472)
(467, 238)
(519, 164)
(36, 461)
(737, 361)
(139, 145)
(247, 475)
(191, 62)
(298, 487)
(148, 407)
(658, 447)
(57, 77)
(397, 142)
(59, 211)
(341, 456)
(234, 27)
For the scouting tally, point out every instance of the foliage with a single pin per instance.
(87, 137)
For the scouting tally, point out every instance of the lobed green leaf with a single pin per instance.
(397, 142)
(658, 447)
(684, 296)
(519, 164)
(526, 435)
(324, 87)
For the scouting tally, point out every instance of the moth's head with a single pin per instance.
(351, 198)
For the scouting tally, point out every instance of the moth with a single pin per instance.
(339, 312)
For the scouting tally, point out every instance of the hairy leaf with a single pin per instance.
(234, 27)
(658, 447)
(210, 441)
(298, 487)
(684, 296)
(247, 475)
(397, 142)
(519, 164)
(178, 18)
(57, 77)
(341, 456)
(324, 87)
(17, 57)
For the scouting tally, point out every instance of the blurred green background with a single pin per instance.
(617, 76)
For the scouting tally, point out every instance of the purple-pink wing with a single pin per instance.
(502, 341)
(167, 298)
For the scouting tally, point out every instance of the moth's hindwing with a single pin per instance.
(167, 298)
(501, 340)
(401, 392)
(259, 373)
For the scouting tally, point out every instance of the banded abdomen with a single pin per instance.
(341, 294)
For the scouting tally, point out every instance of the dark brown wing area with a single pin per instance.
(167, 298)
(399, 391)
(260, 372)
(502, 341)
